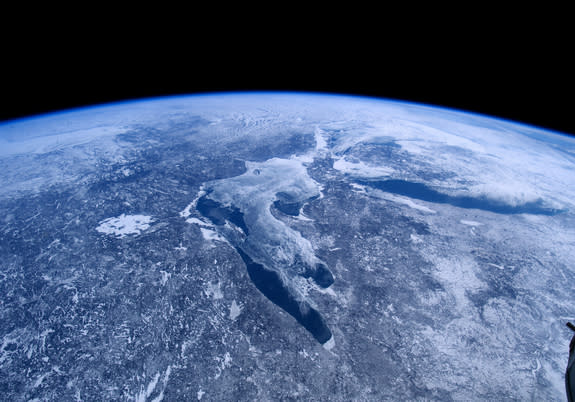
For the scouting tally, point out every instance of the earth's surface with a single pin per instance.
(273, 246)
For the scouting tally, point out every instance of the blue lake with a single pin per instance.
(423, 192)
(270, 284)
(268, 281)
(218, 214)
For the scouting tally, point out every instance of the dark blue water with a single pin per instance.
(422, 192)
(269, 282)
(288, 205)
(321, 275)
(288, 208)
(219, 214)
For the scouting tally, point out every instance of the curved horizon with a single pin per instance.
(156, 98)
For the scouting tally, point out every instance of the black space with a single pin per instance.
(510, 81)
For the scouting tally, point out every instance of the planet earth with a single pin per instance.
(284, 246)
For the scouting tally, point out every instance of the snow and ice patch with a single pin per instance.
(235, 310)
(187, 210)
(208, 230)
(160, 397)
(192, 205)
(145, 393)
(214, 290)
(302, 216)
(305, 286)
(124, 225)
(458, 277)
(361, 170)
(254, 193)
(358, 188)
(40, 379)
(415, 239)
(212, 235)
(198, 222)
(496, 266)
(320, 141)
(325, 291)
(165, 277)
(414, 205)
(403, 200)
(329, 344)
(224, 363)
(470, 223)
